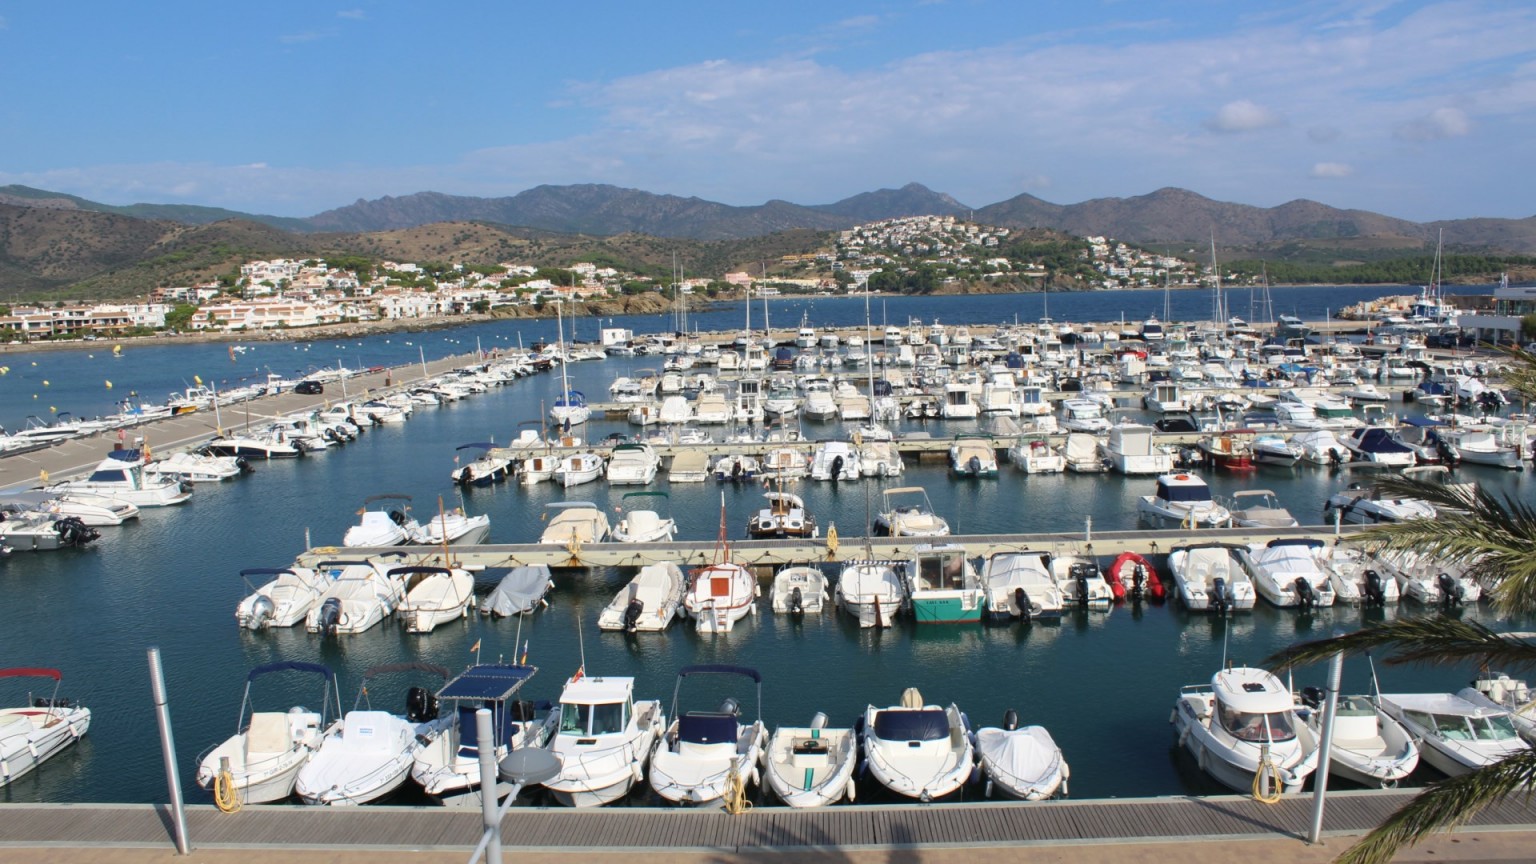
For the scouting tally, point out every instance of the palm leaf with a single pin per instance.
(1444, 805)
(1430, 639)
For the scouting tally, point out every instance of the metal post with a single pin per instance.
(168, 748)
(1325, 748)
(488, 782)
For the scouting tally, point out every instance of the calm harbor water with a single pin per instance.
(1102, 683)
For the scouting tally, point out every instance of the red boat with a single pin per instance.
(1226, 451)
(1134, 576)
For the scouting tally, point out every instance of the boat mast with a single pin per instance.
(1218, 311)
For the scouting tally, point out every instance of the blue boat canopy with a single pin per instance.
(494, 682)
(720, 669)
(478, 445)
(125, 455)
(929, 724)
(293, 666)
(1422, 421)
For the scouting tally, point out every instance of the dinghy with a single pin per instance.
(812, 766)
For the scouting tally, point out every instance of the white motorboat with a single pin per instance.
(360, 595)
(578, 468)
(433, 596)
(873, 592)
(1365, 505)
(537, 469)
(1259, 508)
(94, 511)
(264, 445)
(1321, 447)
(736, 468)
(1428, 581)
(704, 753)
(1182, 500)
(1357, 577)
(1021, 762)
(1084, 415)
(918, 750)
(197, 467)
(1244, 724)
(1211, 578)
(25, 529)
(812, 766)
(1081, 582)
(1132, 451)
(570, 408)
(453, 528)
(972, 456)
(783, 464)
(490, 466)
(633, 464)
(604, 741)
(121, 476)
(1272, 449)
(643, 520)
(1369, 747)
(259, 763)
(575, 523)
(520, 592)
(835, 460)
(1081, 453)
(785, 516)
(1289, 573)
(1035, 455)
(959, 402)
(371, 754)
(448, 768)
(1379, 446)
(39, 728)
(648, 603)
(1498, 690)
(1454, 735)
(689, 466)
(906, 512)
(719, 595)
(1480, 446)
(1020, 585)
(799, 590)
(282, 601)
(384, 521)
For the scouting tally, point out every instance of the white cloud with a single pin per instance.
(1438, 124)
(1242, 116)
(1332, 170)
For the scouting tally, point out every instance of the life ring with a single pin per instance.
(1181, 476)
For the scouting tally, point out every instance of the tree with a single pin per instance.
(481, 306)
(179, 316)
(1493, 534)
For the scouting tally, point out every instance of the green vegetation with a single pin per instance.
(179, 316)
(1397, 271)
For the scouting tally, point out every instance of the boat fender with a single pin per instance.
(637, 770)
(975, 774)
(850, 791)
(1010, 720)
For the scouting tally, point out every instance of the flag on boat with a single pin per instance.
(523, 661)
(476, 646)
(580, 670)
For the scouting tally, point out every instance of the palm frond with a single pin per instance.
(1520, 375)
(1443, 805)
(1430, 639)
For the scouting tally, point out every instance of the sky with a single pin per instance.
(1419, 110)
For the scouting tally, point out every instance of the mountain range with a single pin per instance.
(51, 239)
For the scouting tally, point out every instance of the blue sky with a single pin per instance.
(1421, 110)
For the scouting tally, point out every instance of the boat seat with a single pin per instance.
(267, 735)
(1368, 746)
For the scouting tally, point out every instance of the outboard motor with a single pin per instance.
(1138, 583)
(262, 611)
(632, 614)
(1080, 574)
(819, 720)
(736, 471)
(397, 517)
(1219, 597)
(330, 615)
(243, 465)
(73, 532)
(1335, 459)
(796, 601)
(1306, 598)
(1312, 697)
(1451, 592)
(730, 707)
(1375, 594)
(330, 435)
(1021, 600)
(420, 705)
(974, 465)
(1010, 720)
(837, 469)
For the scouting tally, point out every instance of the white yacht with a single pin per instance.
(121, 476)
(1182, 500)
(604, 741)
(1244, 717)
(1455, 735)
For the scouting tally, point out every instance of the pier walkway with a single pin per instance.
(1152, 829)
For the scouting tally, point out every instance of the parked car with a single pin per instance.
(309, 388)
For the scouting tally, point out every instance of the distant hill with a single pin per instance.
(191, 214)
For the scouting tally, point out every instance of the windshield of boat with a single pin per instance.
(592, 719)
(942, 571)
(1272, 727)
(1459, 727)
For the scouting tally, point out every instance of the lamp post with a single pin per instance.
(524, 767)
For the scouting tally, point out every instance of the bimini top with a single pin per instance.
(720, 669)
(31, 672)
(495, 682)
(293, 666)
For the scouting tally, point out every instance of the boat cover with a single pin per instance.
(519, 591)
(1023, 759)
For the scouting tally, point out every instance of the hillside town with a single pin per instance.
(282, 294)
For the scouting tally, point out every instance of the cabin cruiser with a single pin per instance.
(359, 595)
(1164, 398)
(1227, 451)
(1369, 747)
(1131, 451)
(1023, 763)
(121, 476)
(604, 740)
(1182, 500)
(1259, 508)
(835, 460)
(1365, 505)
(578, 468)
(1454, 735)
(648, 603)
(905, 512)
(487, 468)
(371, 753)
(281, 602)
(703, 753)
(873, 592)
(1378, 445)
(1244, 724)
(942, 585)
(197, 467)
(448, 768)
(433, 596)
(575, 523)
(785, 516)
(520, 592)
(799, 590)
(643, 524)
(633, 464)
(1289, 572)
(918, 750)
(453, 528)
(1084, 415)
(1498, 690)
(959, 402)
(1020, 585)
(972, 456)
(24, 528)
(260, 762)
(38, 729)
(383, 524)
(811, 766)
(1033, 454)
(1211, 578)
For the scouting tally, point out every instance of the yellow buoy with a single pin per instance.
(109, 385)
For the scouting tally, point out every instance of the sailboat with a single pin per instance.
(571, 408)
